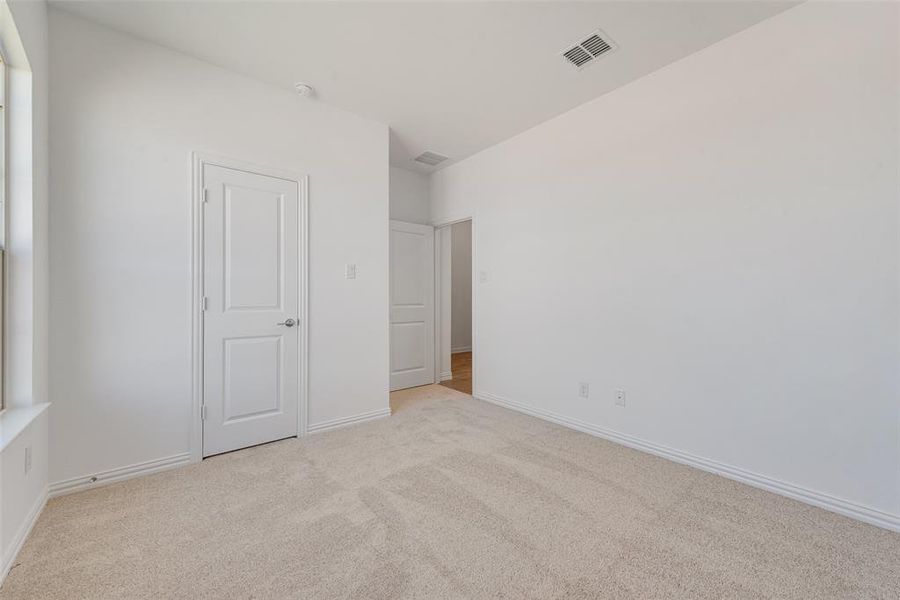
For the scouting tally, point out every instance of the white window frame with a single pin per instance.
(4, 88)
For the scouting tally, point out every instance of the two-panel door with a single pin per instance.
(251, 296)
(412, 304)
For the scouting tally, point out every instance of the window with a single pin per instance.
(2, 223)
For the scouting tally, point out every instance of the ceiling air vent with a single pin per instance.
(588, 49)
(430, 158)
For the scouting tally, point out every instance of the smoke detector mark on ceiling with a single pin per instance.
(585, 51)
(430, 158)
(304, 89)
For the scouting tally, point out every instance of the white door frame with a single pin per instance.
(198, 161)
(438, 297)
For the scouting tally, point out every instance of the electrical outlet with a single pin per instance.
(620, 397)
(27, 459)
(584, 390)
(351, 272)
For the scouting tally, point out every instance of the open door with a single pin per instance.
(412, 305)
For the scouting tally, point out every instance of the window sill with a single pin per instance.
(14, 421)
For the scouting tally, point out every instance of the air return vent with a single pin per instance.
(430, 158)
(588, 49)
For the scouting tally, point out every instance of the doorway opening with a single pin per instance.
(432, 321)
(456, 306)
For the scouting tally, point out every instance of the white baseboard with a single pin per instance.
(346, 421)
(77, 484)
(9, 558)
(843, 507)
(460, 349)
(446, 375)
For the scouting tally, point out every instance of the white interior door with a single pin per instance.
(412, 305)
(251, 289)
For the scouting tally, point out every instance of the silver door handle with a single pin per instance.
(288, 323)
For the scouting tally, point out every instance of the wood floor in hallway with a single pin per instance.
(461, 367)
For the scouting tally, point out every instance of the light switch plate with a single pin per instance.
(351, 272)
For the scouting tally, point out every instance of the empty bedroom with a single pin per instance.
(529, 300)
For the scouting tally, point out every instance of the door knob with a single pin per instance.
(288, 323)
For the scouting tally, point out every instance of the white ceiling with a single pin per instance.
(450, 77)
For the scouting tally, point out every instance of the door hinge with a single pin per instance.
(204, 303)
(203, 413)
(205, 196)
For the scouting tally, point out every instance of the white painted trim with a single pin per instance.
(15, 420)
(446, 375)
(303, 308)
(460, 350)
(78, 484)
(197, 243)
(449, 222)
(198, 161)
(346, 421)
(474, 275)
(438, 307)
(821, 500)
(22, 534)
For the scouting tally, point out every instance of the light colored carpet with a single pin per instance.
(449, 498)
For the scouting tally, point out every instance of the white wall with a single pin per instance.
(125, 117)
(409, 196)
(720, 239)
(461, 292)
